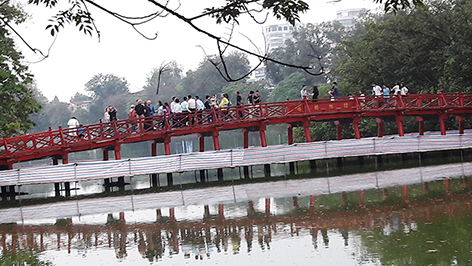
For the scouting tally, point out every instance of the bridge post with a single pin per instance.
(441, 122)
(105, 154)
(405, 199)
(380, 128)
(461, 124)
(246, 172)
(245, 138)
(399, 119)
(154, 177)
(361, 198)
(250, 208)
(420, 125)
(216, 141)
(339, 130)
(306, 128)
(201, 142)
(221, 211)
(262, 128)
(167, 145)
(117, 151)
(267, 170)
(170, 179)
(290, 134)
(355, 125)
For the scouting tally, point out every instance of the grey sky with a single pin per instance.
(75, 58)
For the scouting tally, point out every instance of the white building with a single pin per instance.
(347, 16)
(276, 35)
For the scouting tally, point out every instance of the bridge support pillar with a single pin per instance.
(267, 170)
(399, 119)
(355, 125)
(446, 186)
(461, 124)
(202, 176)
(167, 145)
(170, 179)
(262, 129)
(245, 138)
(154, 148)
(420, 125)
(306, 128)
(201, 142)
(313, 164)
(290, 134)
(291, 166)
(216, 141)
(339, 130)
(117, 152)
(380, 128)
(105, 154)
(8, 193)
(442, 124)
(246, 172)
(219, 173)
(154, 177)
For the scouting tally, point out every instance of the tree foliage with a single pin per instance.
(429, 49)
(17, 101)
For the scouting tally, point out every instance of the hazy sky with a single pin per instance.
(75, 58)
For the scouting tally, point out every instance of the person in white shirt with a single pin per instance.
(199, 103)
(376, 90)
(396, 89)
(303, 92)
(72, 124)
(403, 89)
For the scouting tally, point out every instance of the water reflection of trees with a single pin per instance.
(397, 233)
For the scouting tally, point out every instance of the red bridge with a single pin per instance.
(109, 136)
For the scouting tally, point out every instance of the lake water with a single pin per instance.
(393, 212)
(427, 223)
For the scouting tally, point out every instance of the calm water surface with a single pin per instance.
(413, 222)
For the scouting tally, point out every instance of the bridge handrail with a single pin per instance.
(104, 131)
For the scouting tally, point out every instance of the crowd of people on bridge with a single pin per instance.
(188, 105)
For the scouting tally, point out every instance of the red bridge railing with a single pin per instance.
(64, 140)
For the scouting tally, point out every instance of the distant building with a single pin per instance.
(256, 75)
(276, 35)
(347, 16)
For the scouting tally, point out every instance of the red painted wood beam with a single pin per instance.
(355, 125)
(201, 142)
(216, 141)
(153, 148)
(167, 145)
(420, 125)
(442, 124)
(461, 124)
(290, 134)
(380, 128)
(306, 129)
(339, 130)
(399, 118)
(117, 152)
(245, 138)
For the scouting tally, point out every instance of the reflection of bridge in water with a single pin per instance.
(214, 232)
